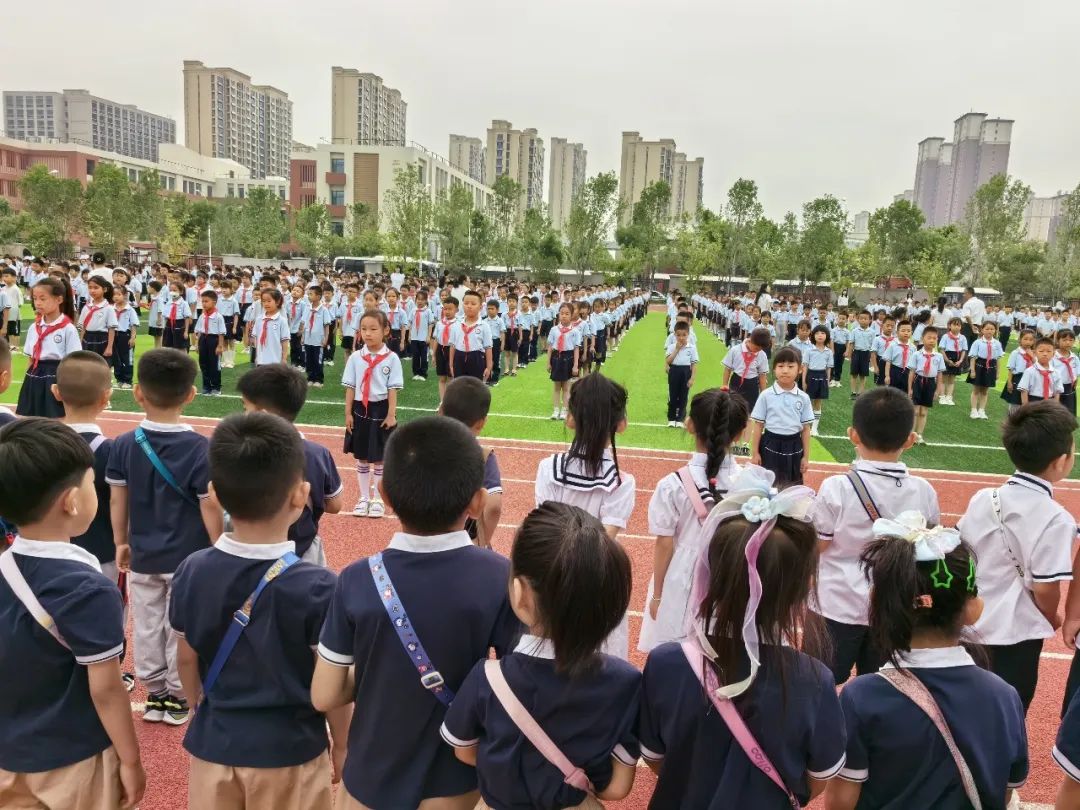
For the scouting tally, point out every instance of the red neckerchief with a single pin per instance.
(92, 311)
(905, 347)
(563, 332)
(206, 320)
(172, 314)
(955, 341)
(119, 312)
(446, 326)
(292, 312)
(929, 358)
(989, 349)
(1045, 372)
(747, 358)
(311, 318)
(265, 329)
(1066, 360)
(417, 327)
(35, 358)
(513, 321)
(468, 330)
(372, 360)
(1028, 359)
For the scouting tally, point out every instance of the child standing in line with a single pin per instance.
(68, 738)
(747, 370)
(50, 339)
(127, 322)
(860, 351)
(210, 331)
(1041, 379)
(527, 322)
(681, 362)
(925, 594)
(1067, 366)
(330, 302)
(470, 342)
(588, 474)
(177, 319)
(155, 319)
(396, 757)
(230, 312)
(782, 419)
(316, 327)
(420, 323)
(982, 368)
(955, 346)
(801, 343)
(588, 337)
(599, 323)
(371, 380)
(1020, 360)
(494, 323)
(564, 353)
(296, 310)
(570, 586)
(13, 298)
(881, 348)
(268, 337)
(817, 371)
(441, 342)
(97, 320)
(841, 337)
(6, 414)
(717, 420)
(348, 317)
(897, 356)
(395, 316)
(512, 328)
(925, 370)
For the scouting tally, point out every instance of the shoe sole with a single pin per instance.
(153, 716)
(173, 720)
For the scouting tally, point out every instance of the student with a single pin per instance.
(881, 347)
(528, 323)
(747, 370)
(371, 380)
(49, 340)
(395, 316)
(1024, 541)
(840, 336)
(588, 474)
(817, 371)
(230, 311)
(296, 309)
(467, 400)
(598, 323)
(860, 351)
(97, 319)
(1067, 365)
(982, 369)
(784, 698)
(269, 334)
(316, 328)
(1041, 380)
(255, 743)
(717, 421)
(470, 341)
(395, 755)
(955, 346)
(512, 327)
(441, 342)
(6, 414)
(494, 323)
(177, 319)
(210, 332)
(925, 593)
(570, 586)
(420, 323)
(13, 299)
(877, 485)
(348, 318)
(1020, 360)
(681, 362)
(161, 513)
(897, 356)
(801, 343)
(782, 419)
(564, 355)
(127, 322)
(925, 372)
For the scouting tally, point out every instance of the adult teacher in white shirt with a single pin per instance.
(973, 312)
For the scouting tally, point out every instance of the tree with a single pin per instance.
(1019, 270)
(780, 256)
(452, 224)
(821, 243)
(695, 253)
(362, 230)
(110, 215)
(951, 246)
(540, 245)
(505, 197)
(54, 208)
(928, 272)
(261, 226)
(647, 231)
(743, 211)
(481, 237)
(995, 222)
(149, 206)
(199, 218)
(226, 227)
(1062, 275)
(407, 209)
(897, 231)
(174, 243)
(311, 230)
(593, 213)
(11, 224)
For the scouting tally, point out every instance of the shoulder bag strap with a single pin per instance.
(736, 725)
(241, 618)
(863, 494)
(691, 490)
(527, 725)
(96, 442)
(430, 678)
(995, 502)
(144, 444)
(9, 569)
(916, 691)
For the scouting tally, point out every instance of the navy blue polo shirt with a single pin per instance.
(47, 718)
(590, 718)
(901, 759)
(321, 472)
(455, 595)
(164, 527)
(796, 720)
(259, 713)
(492, 475)
(1066, 751)
(98, 539)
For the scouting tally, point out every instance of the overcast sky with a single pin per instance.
(804, 96)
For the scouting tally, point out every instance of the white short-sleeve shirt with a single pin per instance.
(608, 495)
(478, 333)
(386, 373)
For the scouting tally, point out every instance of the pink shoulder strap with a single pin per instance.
(691, 490)
(916, 691)
(733, 720)
(573, 776)
(21, 588)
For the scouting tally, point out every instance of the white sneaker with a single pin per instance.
(919, 439)
(813, 428)
(555, 414)
(328, 363)
(376, 510)
(982, 414)
(1014, 801)
(974, 414)
(361, 509)
(562, 413)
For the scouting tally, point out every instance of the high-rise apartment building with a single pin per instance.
(364, 110)
(75, 116)
(226, 116)
(687, 186)
(517, 153)
(947, 173)
(567, 178)
(643, 162)
(467, 154)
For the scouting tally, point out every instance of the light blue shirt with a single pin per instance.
(818, 359)
(783, 412)
(862, 340)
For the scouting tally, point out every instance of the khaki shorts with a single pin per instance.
(91, 784)
(223, 787)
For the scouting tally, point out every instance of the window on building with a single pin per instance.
(337, 196)
(337, 165)
(337, 227)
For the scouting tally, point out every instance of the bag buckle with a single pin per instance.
(432, 680)
(241, 618)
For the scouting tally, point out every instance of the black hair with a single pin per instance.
(274, 387)
(492, 303)
(598, 405)
(166, 377)
(821, 329)
(105, 285)
(378, 315)
(208, 293)
(804, 322)
(60, 287)
(930, 330)
(682, 326)
(904, 322)
(451, 300)
(884, 419)
(472, 294)
(255, 460)
(865, 312)
(1037, 434)
(1061, 334)
(762, 338)
(908, 596)
(941, 303)
(82, 377)
(787, 355)
(98, 257)
(581, 579)
(429, 497)
(718, 417)
(467, 400)
(274, 293)
(39, 459)
(1044, 341)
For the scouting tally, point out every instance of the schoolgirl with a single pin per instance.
(512, 326)
(982, 368)
(127, 322)
(564, 354)
(1067, 366)
(371, 380)
(230, 312)
(269, 338)
(420, 322)
(177, 319)
(817, 371)
(1020, 360)
(570, 587)
(548, 315)
(782, 420)
(747, 370)
(97, 320)
(588, 337)
(588, 475)
(50, 339)
(678, 507)
(598, 323)
(528, 322)
(955, 346)
(396, 317)
(926, 370)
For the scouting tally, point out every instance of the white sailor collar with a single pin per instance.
(570, 473)
(536, 647)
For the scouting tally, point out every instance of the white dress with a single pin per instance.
(672, 515)
(608, 496)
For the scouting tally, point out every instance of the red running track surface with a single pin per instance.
(347, 538)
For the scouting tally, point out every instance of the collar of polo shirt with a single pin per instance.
(933, 658)
(54, 551)
(536, 647)
(427, 544)
(165, 427)
(85, 427)
(1029, 481)
(254, 551)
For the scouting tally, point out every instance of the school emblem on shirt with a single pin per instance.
(386, 371)
(58, 338)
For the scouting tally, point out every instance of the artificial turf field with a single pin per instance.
(521, 406)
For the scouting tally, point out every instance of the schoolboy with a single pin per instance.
(317, 325)
(881, 347)
(1067, 366)
(396, 757)
(840, 336)
(495, 326)
(296, 308)
(66, 735)
(470, 342)
(681, 363)
(13, 296)
(420, 321)
(348, 317)
(1041, 380)
(6, 414)
(441, 337)
(280, 390)
(161, 513)
(859, 351)
(1024, 541)
(897, 356)
(877, 485)
(210, 332)
(255, 741)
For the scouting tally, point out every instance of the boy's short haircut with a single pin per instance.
(166, 377)
(1044, 341)
(902, 323)
(865, 312)
(276, 388)
(930, 330)
(467, 400)
(884, 419)
(82, 378)
(888, 318)
(1036, 434)
(787, 355)
(39, 459)
(493, 303)
(430, 498)
(681, 326)
(762, 338)
(209, 294)
(471, 294)
(451, 300)
(255, 459)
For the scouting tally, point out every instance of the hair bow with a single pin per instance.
(930, 543)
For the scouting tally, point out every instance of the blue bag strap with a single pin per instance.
(430, 678)
(159, 465)
(242, 617)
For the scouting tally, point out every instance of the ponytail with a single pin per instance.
(60, 287)
(598, 406)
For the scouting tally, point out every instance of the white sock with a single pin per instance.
(376, 478)
(362, 473)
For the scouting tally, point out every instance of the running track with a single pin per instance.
(347, 538)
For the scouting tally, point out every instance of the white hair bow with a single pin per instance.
(930, 543)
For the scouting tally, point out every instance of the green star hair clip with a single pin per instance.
(971, 575)
(941, 576)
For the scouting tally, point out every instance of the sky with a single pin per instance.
(806, 97)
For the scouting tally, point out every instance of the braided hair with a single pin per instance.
(718, 418)
(598, 406)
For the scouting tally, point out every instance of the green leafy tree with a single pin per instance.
(226, 228)
(175, 244)
(897, 232)
(363, 237)
(506, 194)
(950, 245)
(452, 222)
(995, 223)
(110, 215)
(743, 210)
(54, 208)
(12, 225)
(593, 213)
(408, 211)
(540, 244)
(1062, 275)
(780, 255)
(1020, 270)
(821, 243)
(311, 230)
(199, 219)
(928, 272)
(647, 231)
(149, 205)
(262, 227)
